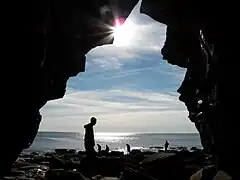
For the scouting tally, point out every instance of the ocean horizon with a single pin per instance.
(50, 140)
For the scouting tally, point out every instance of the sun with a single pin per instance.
(124, 32)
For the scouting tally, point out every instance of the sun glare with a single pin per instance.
(123, 32)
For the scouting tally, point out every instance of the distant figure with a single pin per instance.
(107, 149)
(99, 148)
(128, 148)
(166, 145)
(89, 141)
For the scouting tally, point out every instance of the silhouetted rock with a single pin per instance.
(135, 151)
(61, 174)
(148, 152)
(194, 149)
(99, 177)
(99, 148)
(81, 153)
(221, 175)
(205, 173)
(17, 173)
(72, 151)
(60, 35)
(189, 170)
(57, 162)
(157, 157)
(196, 41)
(130, 173)
(156, 147)
(163, 165)
(181, 148)
(131, 166)
(61, 151)
(116, 153)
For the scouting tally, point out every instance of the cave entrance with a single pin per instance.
(128, 81)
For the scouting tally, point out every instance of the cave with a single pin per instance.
(196, 39)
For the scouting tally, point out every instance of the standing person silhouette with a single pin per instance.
(166, 145)
(89, 141)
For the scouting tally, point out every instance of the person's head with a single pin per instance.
(93, 120)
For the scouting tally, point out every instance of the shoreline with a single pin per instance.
(72, 164)
(142, 149)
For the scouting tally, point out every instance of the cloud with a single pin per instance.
(107, 63)
(148, 37)
(118, 111)
(111, 51)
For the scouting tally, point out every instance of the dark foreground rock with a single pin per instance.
(68, 164)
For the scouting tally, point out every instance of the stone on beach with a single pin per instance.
(70, 164)
(163, 165)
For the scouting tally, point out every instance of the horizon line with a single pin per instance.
(101, 132)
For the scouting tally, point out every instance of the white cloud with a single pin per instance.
(123, 73)
(118, 111)
(111, 51)
(107, 63)
(149, 37)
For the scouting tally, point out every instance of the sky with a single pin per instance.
(127, 86)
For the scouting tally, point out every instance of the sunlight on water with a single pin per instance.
(112, 137)
(46, 141)
(113, 134)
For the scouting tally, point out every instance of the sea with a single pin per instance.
(48, 141)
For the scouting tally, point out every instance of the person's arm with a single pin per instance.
(86, 125)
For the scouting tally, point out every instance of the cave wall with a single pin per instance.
(200, 37)
(61, 33)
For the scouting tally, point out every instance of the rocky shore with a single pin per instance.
(70, 164)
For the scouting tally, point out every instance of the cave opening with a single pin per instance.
(197, 40)
(120, 86)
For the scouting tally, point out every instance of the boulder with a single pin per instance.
(61, 174)
(163, 165)
(106, 166)
(148, 152)
(189, 170)
(16, 172)
(41, 159)
(116, 153)
(130, 174)
(61, 151)
(19, 164)
(221, 175)
(135, 151)
(9, 178)
(205, 173)
(72, 151)
(81, 153)
(193, 149)
(109, 178)
(100, 177)
(32, 166)
(158, 157)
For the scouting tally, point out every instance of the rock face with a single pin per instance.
(196, 40)
(61, 34)
(163, 165)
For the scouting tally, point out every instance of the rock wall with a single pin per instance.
(62, 32)
(200, 38)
